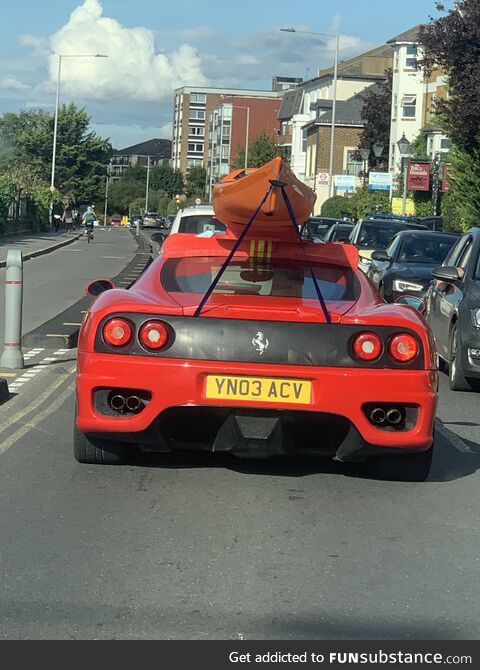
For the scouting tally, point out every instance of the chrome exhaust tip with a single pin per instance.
(377, 415)
(117, 402)
(133, 403)
(394, 416)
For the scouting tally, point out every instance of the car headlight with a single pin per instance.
(404, 286)
(476, 317)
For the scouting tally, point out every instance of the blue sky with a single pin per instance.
(154, 46)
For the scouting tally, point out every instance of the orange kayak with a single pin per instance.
(237, 195)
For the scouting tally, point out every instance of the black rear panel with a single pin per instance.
(255, 341)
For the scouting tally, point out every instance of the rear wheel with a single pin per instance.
(404, 468)
(97, 451)
(456, 378)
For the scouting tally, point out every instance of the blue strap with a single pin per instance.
(227, 262)
(312, 274)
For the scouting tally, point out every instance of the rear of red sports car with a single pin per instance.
(263, 370)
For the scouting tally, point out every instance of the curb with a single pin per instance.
(54, 333)
(45, 250)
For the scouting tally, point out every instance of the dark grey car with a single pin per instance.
(453, 311)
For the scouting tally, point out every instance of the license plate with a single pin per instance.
(295, 391)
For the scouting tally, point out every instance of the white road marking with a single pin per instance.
(116, 257)
(50, 358)
(35, 403)
(68, 323)
(58, 335)
(30, 425)
(8, 374)
(454, 439)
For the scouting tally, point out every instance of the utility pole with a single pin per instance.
(437, 164)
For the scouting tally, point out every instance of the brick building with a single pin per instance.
(194, 107)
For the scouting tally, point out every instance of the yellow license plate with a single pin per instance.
(297, 391)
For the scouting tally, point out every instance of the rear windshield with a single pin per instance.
(201, 223)
(378, 235)
(429, 250)
(318, 227)
(278, 278)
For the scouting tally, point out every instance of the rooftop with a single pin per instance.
(156, 147)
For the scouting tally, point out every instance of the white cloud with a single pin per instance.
(134, 69)
(9, 83)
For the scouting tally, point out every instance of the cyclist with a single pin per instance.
(88, 219)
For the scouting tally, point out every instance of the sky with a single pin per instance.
(155, 46)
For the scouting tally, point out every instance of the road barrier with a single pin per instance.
(12, 356)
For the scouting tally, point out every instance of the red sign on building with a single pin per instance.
(445, 171)
(418, 176)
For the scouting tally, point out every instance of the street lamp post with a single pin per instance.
(334, 100)
(148, 184)
(55, 124)
(404, 147)
(365, 153)
(107, 184)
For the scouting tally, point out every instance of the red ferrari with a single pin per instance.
(256, 347)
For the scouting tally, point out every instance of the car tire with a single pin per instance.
(456, 378)
(404, 467)
(96, 451)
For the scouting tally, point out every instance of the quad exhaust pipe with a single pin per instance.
(380, 416)
(121, 403)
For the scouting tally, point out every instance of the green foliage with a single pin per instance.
(336, 205)
(7, 194)
(463, 202)
(123, 192)
(260, 151)
(376, 113)
(166, 179)
(195, 182)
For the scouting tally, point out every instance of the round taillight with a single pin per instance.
(153, 335)
(117, 332)
(367, 346)
(403, 348)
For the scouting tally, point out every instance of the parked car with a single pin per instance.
(197, 220)
(430, 222)
(405, 267)
(115, 221)
(453, 311)
(339, 232)
(152, 220)
(370, 235)
(316, 227)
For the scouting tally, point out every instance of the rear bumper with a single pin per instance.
(338, 393)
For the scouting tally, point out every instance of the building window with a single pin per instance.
(411, 60)
(304, 141)
(196, 130)
(226, 130)
(192, 162)
(409, 104)
(198, 97)
(445, 144)
(196, 114)
(352, 166)
(395, 106)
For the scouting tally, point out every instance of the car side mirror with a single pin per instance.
(446, 273)
(99, 286)
(381, 256)
(412, 301)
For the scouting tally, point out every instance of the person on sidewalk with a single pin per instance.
(68, 218)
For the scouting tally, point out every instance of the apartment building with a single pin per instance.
(233, 125)
(194, 108)
(414, 92)
(306, 111)
(157, 150)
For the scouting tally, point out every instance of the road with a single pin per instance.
(200, 547)
(55, 281)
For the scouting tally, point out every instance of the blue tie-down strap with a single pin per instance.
(314, 279)
(228, 260)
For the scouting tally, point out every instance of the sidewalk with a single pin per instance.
(31, 243)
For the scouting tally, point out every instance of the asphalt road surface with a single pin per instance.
(201, 547)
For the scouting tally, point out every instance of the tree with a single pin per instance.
(452, 42)
(122, 193)
(195, 181)
(166, 179)
(260, 151)
(376, 112)
(7, 193)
